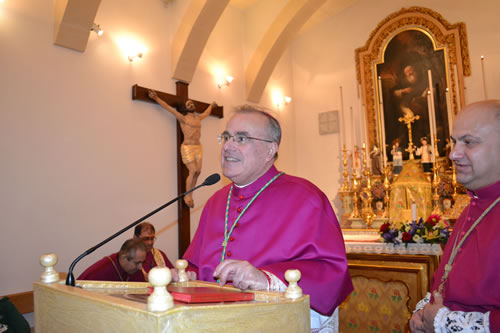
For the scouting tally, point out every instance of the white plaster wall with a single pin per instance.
(323, 60)
(80, 158)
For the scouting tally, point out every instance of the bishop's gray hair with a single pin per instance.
(274, 125)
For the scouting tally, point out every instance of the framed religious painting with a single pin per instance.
(411, 73)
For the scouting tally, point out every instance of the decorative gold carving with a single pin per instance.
(452, 37)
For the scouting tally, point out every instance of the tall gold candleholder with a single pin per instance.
(355, 199)
(345, 186)
(367, 192)
(387, 186)
(435, 184)
(454, 182)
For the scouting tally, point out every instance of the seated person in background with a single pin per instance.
(154, 257)
(120, 266)
(266, 222)
(466, 285)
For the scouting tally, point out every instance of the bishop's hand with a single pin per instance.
(429, 312)
(243, 275)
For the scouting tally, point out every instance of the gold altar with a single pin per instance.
(92, 307)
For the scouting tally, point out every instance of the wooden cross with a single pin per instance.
(141, 93)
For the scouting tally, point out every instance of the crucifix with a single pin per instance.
(408, 119)
(177, 101)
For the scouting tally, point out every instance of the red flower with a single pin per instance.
(384, 227)
(406, 237)
(433, 219)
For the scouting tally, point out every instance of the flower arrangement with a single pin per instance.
(433, 230)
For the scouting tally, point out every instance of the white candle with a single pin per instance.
(429, 107)
(357, 125)
(458, 87)
(484, 78)
(450, 113)
(432, 112)
(344, 128)
(382, 121)
(413, 211)
(363, 115)
(380, 98)
(353, 141)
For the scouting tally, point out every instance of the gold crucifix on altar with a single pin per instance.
(408, 119)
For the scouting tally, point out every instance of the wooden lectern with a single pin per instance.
(98, 306)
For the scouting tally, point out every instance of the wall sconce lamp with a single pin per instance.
(132, 57)
(96, 28)
(280, 101)
(224, 82)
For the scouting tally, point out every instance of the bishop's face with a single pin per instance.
(476, 152)
(244, 163)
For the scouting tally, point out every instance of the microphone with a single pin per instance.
(212, 179)
(70, 279)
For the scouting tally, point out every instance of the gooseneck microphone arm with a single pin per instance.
(70, 279)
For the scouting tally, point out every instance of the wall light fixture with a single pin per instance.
(96, 28)
(224, 82)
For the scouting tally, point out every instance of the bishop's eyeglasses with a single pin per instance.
(238, 138)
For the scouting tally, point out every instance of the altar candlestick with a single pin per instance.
(484, 78)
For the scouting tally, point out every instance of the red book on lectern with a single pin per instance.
(208, 294)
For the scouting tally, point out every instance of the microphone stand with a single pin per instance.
(70, 279)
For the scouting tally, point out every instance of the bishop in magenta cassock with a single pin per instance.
(466, 285)
(266, 222)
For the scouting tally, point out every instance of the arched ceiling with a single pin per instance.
(200, 20)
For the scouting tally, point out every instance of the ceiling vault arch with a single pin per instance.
(192, 36)
(276, 40)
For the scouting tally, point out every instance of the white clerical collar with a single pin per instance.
(242, 186)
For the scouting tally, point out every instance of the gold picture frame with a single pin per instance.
(450, 39)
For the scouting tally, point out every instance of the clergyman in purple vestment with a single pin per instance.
(154, 257)
(467, 297)
(121, 266)
(266, 222)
